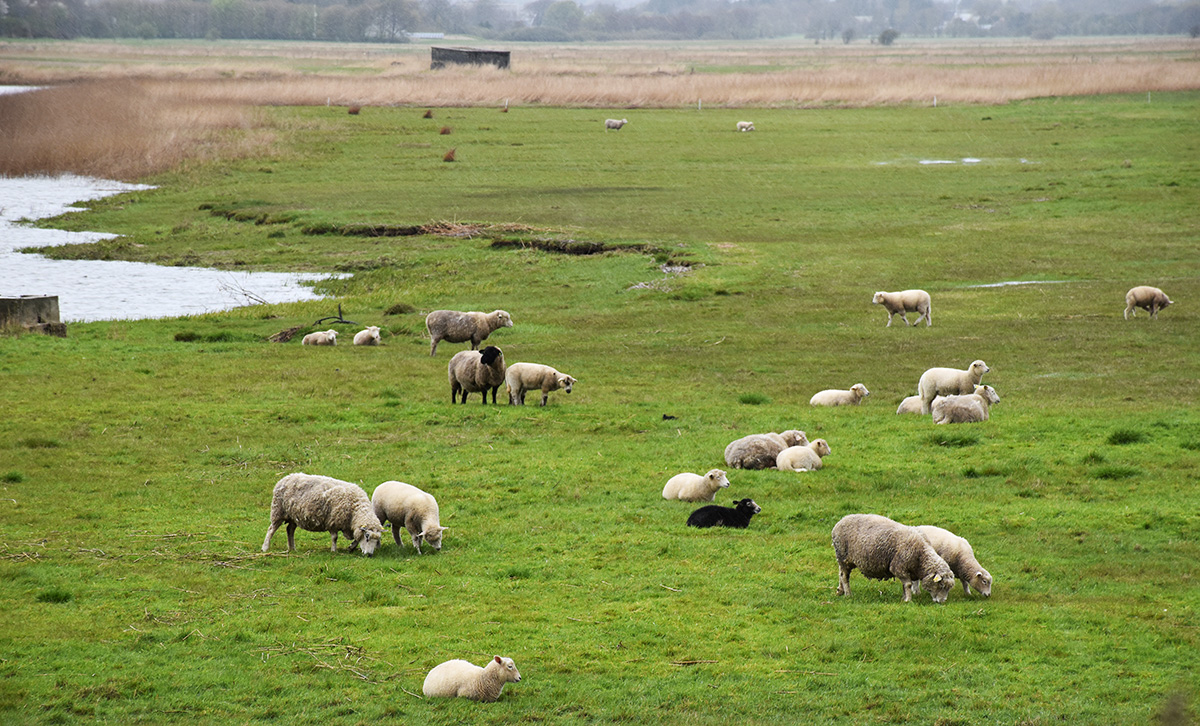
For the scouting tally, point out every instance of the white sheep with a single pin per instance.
(971, 408)
(803, 458)
(462, 679)
(745, 125)
(882, 549)
(456, 327)
(1147, 298)
(406, 506)
(905, 302)
(690, 487)
(472, 371)
(615, 124)
(957, 553)
(949, 381)
(840, 397)
(759, 451)
(323, 337)
(912, 404)
(369, 336)
(522, 377)
(324, 504)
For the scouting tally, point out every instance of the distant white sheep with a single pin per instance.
(456, 327)
(323, 504)
(759, 451)
(1147, 298)
(370, 336)
(905, 302)
(745, 125)
(957, 553)
(803, 458)
(461, 679)
(323, 337)
(406, 506)
(912, 404)
(971, 408)
(948, 382)
(472, 371)
(522, 377)
(839, 397)
(690, 487)
(615, 124)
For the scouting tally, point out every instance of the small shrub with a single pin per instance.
(1094, 458)
(55, 596)
(753, 399)
(953, 439)
(1120, 437)
(1113, 471)
(12, 477)
(400, 309)
(40, 442)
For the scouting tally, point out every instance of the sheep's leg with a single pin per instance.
(396, 534)
(904, 317)
(270, 533)
(908, 590)
(843, 580)
(291, 533)
(1154, 311)
(890, 316)
(545, 395)
(433, 347)
(966, 588)
(333, 541)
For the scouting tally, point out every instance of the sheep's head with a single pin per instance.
(433, 536)
(877, 299)
(981, 580)
(821, 447)
(565, 382)
(792, 437)
(989, 393)
(504, 318)
(860, 390)
(938, 584)
(717, 479)
(747, 506)
(511, 674)
(979, 368)
(367, 538)
(489, 355)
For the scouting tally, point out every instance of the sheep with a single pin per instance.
(323, 337)
(690, 487)
(802, 458)
(461, 679)
(948, 381)
(615, 124)
(369, 336)
(759, 451)
(522, 377)
(323, 504)
(713, 515)
(971, 408)
(912, 404)
(406, 506)
(745, 125)
(958, 554)
(1148, 298)
(476, 370)
(883, 548)
(457, 327)
(905, 302)
(838, 397)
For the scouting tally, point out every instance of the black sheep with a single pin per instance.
(715, 516)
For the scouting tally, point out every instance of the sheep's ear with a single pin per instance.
(499, 661)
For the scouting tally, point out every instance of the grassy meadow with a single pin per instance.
(137, 457)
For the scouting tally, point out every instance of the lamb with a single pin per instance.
(838, 397)
(522, 377)
(883, 548)
(457, 327)
(759, 451)
(802, 458)
(948, 381)
(972, 408)
(476, 370)
(461, 679)
(745, 125)
(905, 302)
(406, 506)
(369, 336)
(690, 487)
(1148, 298)
(323, 337)
(957, 553)
(323, 504)
(912, 404)
(713, 515)
(615, 124)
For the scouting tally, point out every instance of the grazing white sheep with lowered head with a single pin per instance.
(472, 371)
(745, 125)
(883, 548)
(949, 382)
(522, 377)
(912, 404)
(461, 679)
(690, 487)
(406, 506)
(369, 336)
(615, 124)
(957, 553)
(971, 408)
(457, 327)
(323, 504)
(905, 302)
(759, 451)
(803, 458)
(322, 337)
(1147, 298)
(839, 397)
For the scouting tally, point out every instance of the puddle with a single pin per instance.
(1022, 282)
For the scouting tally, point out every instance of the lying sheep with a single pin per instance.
(615, 124)
(522, 377)
(456, 327)
(323, 337)
(958, 554)
(905, 302)
(883, 548)
(948, 381)
(745, 125)
(323, 504)
(839, 397)
(461, 679)
(472, 371)
(971, 408)
(369, 336)
(759, 451)
(1147, 298)
(406, 506)
(803, 458)
(737, 516)
(912, 404)
(690, 487)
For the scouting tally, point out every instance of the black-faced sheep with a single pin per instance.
(957, 553)
(1147, 298)
(522, 377)
(948, 382)
(369, 336)
(461, 679)
(323, 337)
(905, 302)
(803, 458)
(690, 487)
(323, 504)
(759, 451)
(407, 507)
(717, 516)
(883, 548)
(840, 397)
(472, 371)
(456, 327)
(971, 408)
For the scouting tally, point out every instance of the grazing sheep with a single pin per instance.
(912, 404)
(457, 327)
(745, 125)
(476, 370)
(522, 377)
(406, 506)
(838, 397)
(615, 124)
(905, 302)
(957, 553)
(461, 679)
(323, 337)
(802, 458)
(323, 504)
(971, 408)
(1147, 298)
(690, 487)
(370, 336)
(713, 515)
(759, 451)
(948, 381)
(883, 548)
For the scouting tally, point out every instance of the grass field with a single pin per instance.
(137, 459)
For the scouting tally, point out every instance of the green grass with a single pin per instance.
(141, 455)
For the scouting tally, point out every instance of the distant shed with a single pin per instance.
(440, 57)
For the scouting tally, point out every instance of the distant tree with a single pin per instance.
(537, 11)
(888, 36)
(847, 35)
(1194, 31)
(563, 15)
